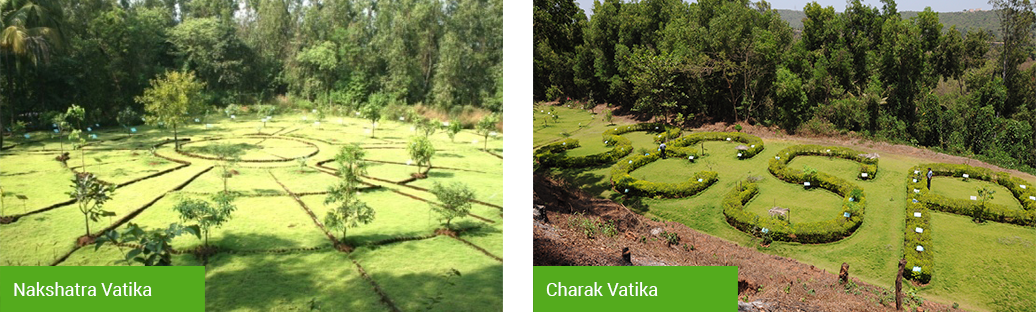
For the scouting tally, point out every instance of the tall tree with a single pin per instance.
(171, 99)
(1017, 27)
(30, 30)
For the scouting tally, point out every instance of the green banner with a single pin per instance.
(179, 288)
(635, 288)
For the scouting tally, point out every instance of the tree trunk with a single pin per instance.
(87, 219)
(372, 128)
(176, 139)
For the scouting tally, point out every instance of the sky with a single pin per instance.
(839, 5)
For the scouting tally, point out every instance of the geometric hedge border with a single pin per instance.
(844, 224)
(917, 241)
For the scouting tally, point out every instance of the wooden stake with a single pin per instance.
(899, 285)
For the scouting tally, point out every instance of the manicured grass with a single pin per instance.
(983, 266)
(822, 205)
(670, 170)
(325, 280)
(272, 256)
(412, 280)
(24, 174)
(874, 249)
(958, 189)
(397, 216)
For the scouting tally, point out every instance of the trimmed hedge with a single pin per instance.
(781, 230)
(993, 212)
(755, 144)
(854, 202)
(921, 201)
(554, 155)
(626, 184)
(779, 164)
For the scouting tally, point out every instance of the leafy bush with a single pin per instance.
(671, 238)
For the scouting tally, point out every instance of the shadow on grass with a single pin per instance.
(440, 174)
(595, 184)
(635, 204)
(449, 155)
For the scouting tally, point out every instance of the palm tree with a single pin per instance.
(31, 30)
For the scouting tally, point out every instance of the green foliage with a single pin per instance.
(231, 110)
(149, 247)
(349, 210)
(171, 99)
(90, 194)
(421, 151)
(228, 155)
(128, 117)
(454, 200)
(263, 110)
(372, 109)
(607, 115)
(671, 238)
(206, 216)
(986, 211)
(453, 128)
(426, 126)
(486, 126)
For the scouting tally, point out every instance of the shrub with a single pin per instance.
(671, 238)
(993, 212)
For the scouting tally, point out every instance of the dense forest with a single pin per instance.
(311, 54)
(867, 71)
(964, 21)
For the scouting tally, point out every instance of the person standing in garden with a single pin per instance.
(929, 178)
(662, 149)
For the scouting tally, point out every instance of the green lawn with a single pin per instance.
(986, 274)
(958, 189)
(272, 255)
(822, 205)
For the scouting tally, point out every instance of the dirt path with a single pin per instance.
(773, 283)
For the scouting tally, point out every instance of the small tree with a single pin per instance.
(984, 196)
(608, 116)
(90, 193)
(454, 200)
(78, 142)
(152, 247)
(453, 128)
(486, 126)
(421, 151)
(62, 125)
(372, 109)
(427, 126)
(229, 155)
(171, 99)
(127, 117)
(349, 211)
(207, 216)
(77, 114)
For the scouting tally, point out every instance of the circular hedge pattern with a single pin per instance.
(626, 184)
(844, 224)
